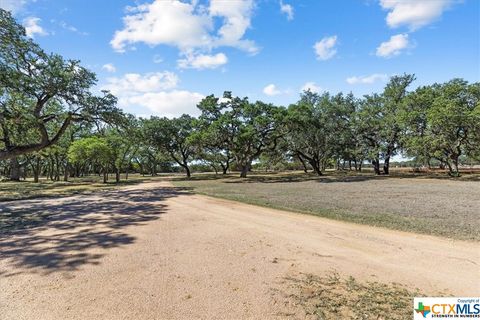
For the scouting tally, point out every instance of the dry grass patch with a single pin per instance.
(332, 297)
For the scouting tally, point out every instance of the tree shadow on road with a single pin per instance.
(64, 234)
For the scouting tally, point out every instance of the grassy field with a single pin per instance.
(434, 205)
(10, 190)
(431, 204)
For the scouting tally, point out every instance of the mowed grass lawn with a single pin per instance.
(432, 205)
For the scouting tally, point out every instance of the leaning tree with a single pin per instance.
(42, 94)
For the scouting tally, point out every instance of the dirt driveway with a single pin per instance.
(155, 252)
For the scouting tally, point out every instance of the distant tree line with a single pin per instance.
(52, 125)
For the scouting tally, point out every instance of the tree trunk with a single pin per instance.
(386, 165)
(305, 169)
(187, 170)
(316, 167)
(376, 166)
(455, 171)
(142, 172)
(14, 169)
(117, 175)
(57, 168)
(428, 164)
(214, 168)
(245, 168)
(36, 169)
(66, 172)
(225, 166)
(51, 169)
(105, 175)
(244, 171)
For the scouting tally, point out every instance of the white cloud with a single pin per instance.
(271, 90)
(109, 67)
(134, 82)
(12, 5)
(287, 9)
(413, 13)
(236, 16)
(367, 79)
(312, 86)
(190, 27)
(32, 27)
(170, 104)
(155, 91)
(325, 48)
(164, 22)
(203, 61)
(394, 46)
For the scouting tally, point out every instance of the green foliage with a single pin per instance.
(172, 136)
(214, 136)
(42, 94)
(319, 128)
(442, 122)
(378, 121)
(91, 149)
(239, 129)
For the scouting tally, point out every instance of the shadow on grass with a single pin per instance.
(302, 177)
(202, 177)
(22, 190)
(53, 235)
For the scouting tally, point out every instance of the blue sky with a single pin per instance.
(161, 57)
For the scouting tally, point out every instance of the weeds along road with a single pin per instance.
(156, 252)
